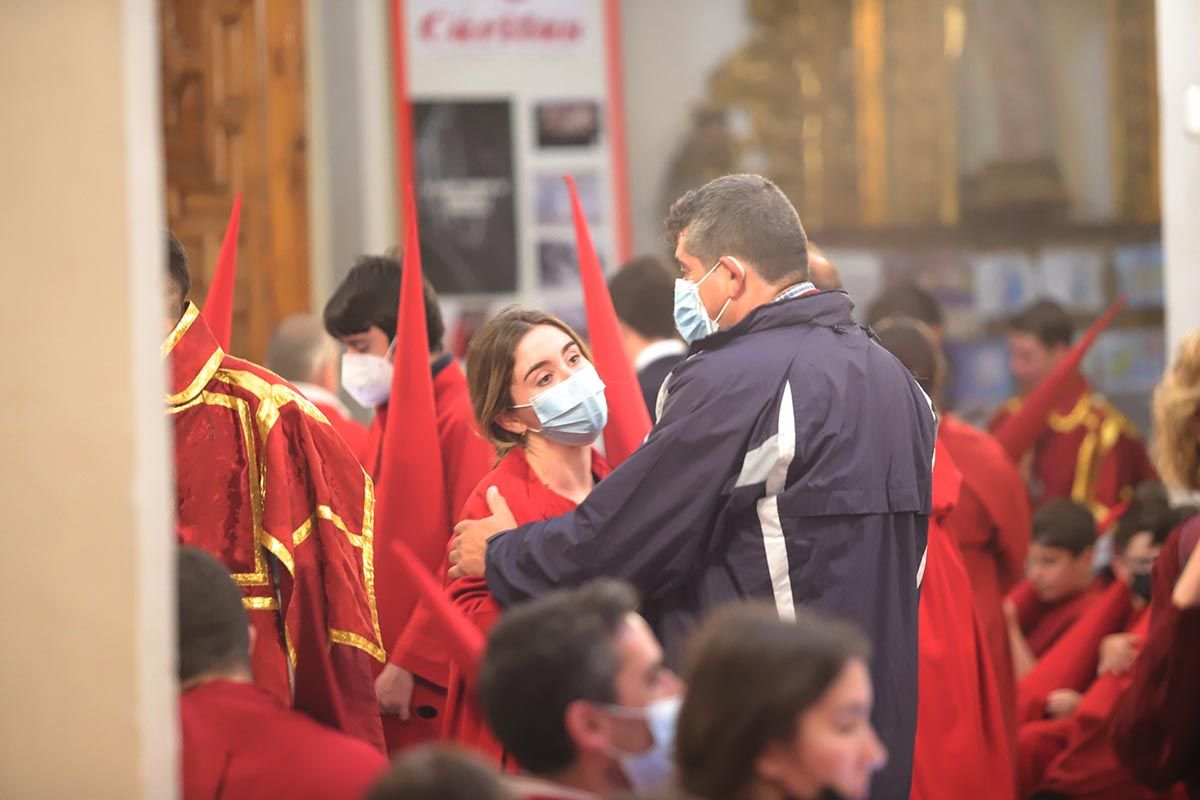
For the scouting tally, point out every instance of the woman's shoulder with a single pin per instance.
(511, 476)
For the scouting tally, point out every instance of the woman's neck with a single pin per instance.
(566, 469)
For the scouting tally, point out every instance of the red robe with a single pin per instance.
(241, 742)
(1088, 452)
(466, 458)
(1156, 725)
(1074, 756)
(1044, 623)
(353, 432)
(991, 525)
(961, 730)
(267, 486)
(530, 500)
(1073, 660)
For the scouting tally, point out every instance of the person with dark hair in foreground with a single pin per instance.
(962, 729)
(1088, 451)
(362, 314)
(792, 462)
(777, 708)
(261, 476)
(240, 741)
(430, 772)
(575, 688)
(641, 294)
(1058, 587)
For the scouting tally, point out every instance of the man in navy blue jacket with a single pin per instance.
(792, 461)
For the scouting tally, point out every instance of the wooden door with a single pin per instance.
(234, 121)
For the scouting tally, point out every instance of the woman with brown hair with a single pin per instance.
(538, 399)
(1156, 725)
(776, 709)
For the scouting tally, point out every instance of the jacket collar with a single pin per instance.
(832, 309)
(194, 357)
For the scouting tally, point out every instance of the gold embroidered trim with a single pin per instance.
(271, 396)
(260, 603)
(241, 408)
(1065, 423)
(206, 374)
(362, 643)
(180, 330)
(368, 551)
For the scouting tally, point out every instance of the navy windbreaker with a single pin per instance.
(792, 463)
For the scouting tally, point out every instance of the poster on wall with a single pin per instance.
(505, 97)
(466, 197)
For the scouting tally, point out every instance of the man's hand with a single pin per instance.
(1062, 702)
(471, 536)
(394, 688)
(1117, 653)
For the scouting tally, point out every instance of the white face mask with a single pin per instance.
(654, 768)
(367, 378)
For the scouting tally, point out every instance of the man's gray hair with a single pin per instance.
(745, 216)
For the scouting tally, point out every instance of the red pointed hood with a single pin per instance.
(218, 306)
(628, 418)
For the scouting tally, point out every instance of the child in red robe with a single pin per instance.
(363, 315)
(1059, 585)
(1078, 683)
(529, 375)
(1088, 451)
(240, 741)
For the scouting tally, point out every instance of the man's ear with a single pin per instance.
(737, 274)
(587, 727)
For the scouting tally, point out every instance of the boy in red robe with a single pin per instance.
(962, 731)
(1088, 451)
(1078, 683)
(302, 353)
(362, 314)
(264, 483)
(1059, 585)
(240, 741)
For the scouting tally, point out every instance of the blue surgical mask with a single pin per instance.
(573, 412)
(691, 317)
(654, 768)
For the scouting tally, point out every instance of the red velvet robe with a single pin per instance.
(466, 458)
(353, 432)
(961, 730)
(1074, 756)
(530, 500)
(240, 742)
(991, 524)
(1044, 623)
(1156, 725)
(267, 486)
(1088, 452)
(1073, 660)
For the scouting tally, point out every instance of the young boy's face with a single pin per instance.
(1056, 573)
(373, 341)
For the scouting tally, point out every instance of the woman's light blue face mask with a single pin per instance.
(574, 411)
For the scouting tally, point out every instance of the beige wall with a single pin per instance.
(85, 590)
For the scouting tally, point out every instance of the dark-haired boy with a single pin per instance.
(362, 314)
